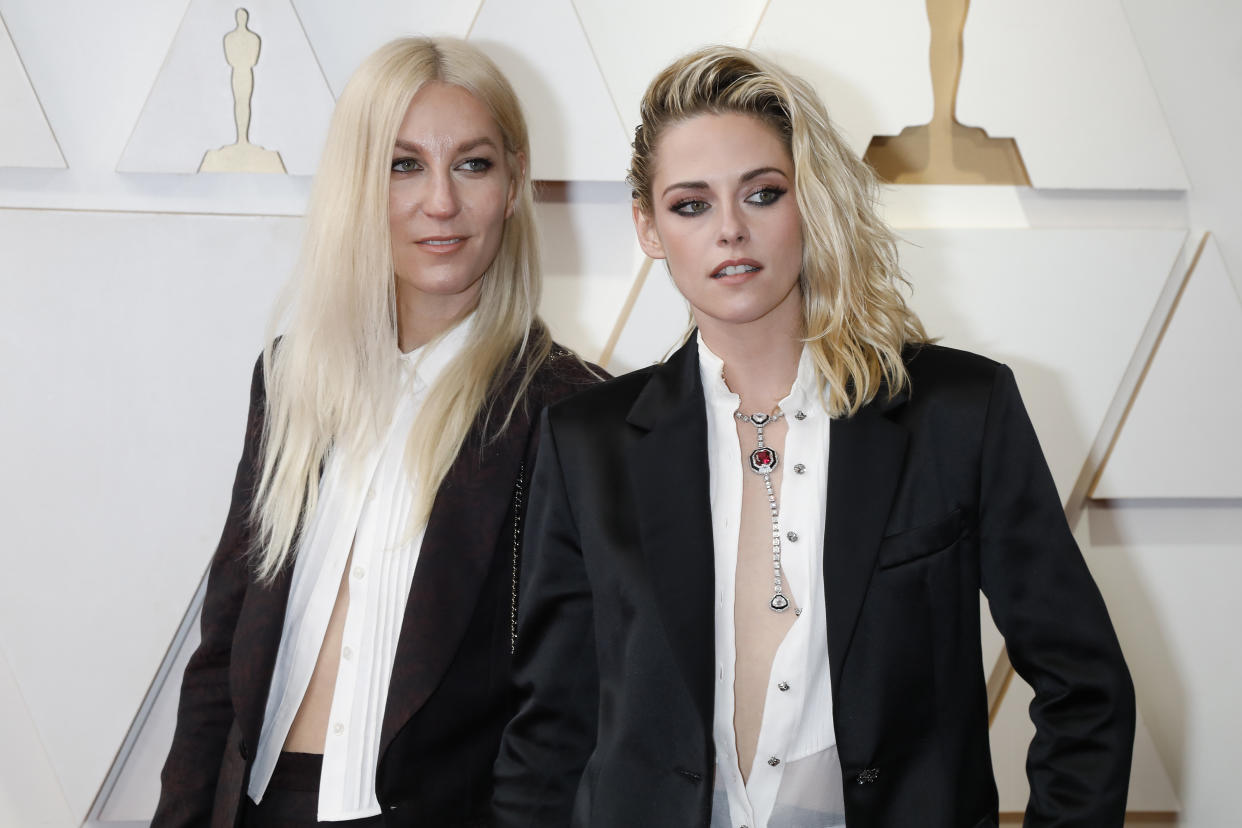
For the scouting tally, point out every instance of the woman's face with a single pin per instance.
(449, 195)
(725, 218)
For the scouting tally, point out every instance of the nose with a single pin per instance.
(733, 228)
(440, 199)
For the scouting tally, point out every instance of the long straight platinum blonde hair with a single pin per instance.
(333, 380)
(855, 316)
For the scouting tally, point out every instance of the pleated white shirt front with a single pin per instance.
(364, 503)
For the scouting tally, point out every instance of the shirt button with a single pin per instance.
(338, 728)
(773, 761)
(801, 415)
(359, 572)
(799, 469)
(783, 686)
(347, 653)
(793, 537)
(371, 493)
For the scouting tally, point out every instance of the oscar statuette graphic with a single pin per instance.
(241, 50)
(945, 151)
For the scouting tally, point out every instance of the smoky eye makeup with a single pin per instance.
(689, 206)
(766, 195)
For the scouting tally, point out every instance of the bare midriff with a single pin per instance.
(309, 730)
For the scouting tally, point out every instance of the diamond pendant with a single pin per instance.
(779, 602)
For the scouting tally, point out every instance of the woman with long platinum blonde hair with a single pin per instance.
(752, 572)
(360, 608)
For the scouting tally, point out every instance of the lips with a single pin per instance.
(441, 244)
(736, 267)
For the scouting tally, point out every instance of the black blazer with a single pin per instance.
(932, 496)
(449, 696)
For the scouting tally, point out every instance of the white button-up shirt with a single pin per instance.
(796, 777)
(364, 504)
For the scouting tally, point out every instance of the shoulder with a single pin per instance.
(937, 369)
(562, 373)
(937, 364)
(951, 381)
(610, 399)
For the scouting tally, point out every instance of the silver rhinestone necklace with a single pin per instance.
(763, 461)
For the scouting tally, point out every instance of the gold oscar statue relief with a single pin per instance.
(944, 151)
(241, 50)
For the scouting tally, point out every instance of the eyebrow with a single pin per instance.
(465, 146)
(702, 185)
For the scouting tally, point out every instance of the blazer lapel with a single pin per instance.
(458, 548)
(669, 479)
(865, 460)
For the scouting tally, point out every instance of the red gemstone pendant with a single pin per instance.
(763, 460)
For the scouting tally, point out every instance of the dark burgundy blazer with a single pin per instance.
(450, 694)
(932, 496)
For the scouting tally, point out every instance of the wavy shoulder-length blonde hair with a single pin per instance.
(855, 315)
(332, 381)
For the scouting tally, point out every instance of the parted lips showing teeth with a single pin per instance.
(439, 241)
(734, 270)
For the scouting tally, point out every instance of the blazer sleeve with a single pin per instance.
(1056, 629)
(547, 744)
(205, 712)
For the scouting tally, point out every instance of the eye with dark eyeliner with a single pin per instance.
(689, 206)
(404, 165)
(765, 196)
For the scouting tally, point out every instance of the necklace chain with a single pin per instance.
(763, 461)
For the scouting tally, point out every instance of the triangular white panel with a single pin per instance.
(30, 793)
(1065, 308)
(575, 132)
(868, 61)
(343, 34)
(105, 590)
(589, 259)
(655, 325)
(1180, 438)
(635, 40)
(190, 107)
(132, 788)
(1011, 734)
(1066, 80)
(26, 140)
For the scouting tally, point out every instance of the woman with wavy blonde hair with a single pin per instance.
(763, 557)
(360, 608)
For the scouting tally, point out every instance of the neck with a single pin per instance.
(760, 366)
(421, 318)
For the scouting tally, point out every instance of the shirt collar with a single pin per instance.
(427, 362)
(711, 372)
(803, 396)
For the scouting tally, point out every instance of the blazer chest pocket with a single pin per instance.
(922, 541)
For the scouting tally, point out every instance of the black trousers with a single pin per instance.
(292, 797)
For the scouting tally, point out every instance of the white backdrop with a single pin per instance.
(133, 301)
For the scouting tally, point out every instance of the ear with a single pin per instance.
(648, 238)
(515, 182)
